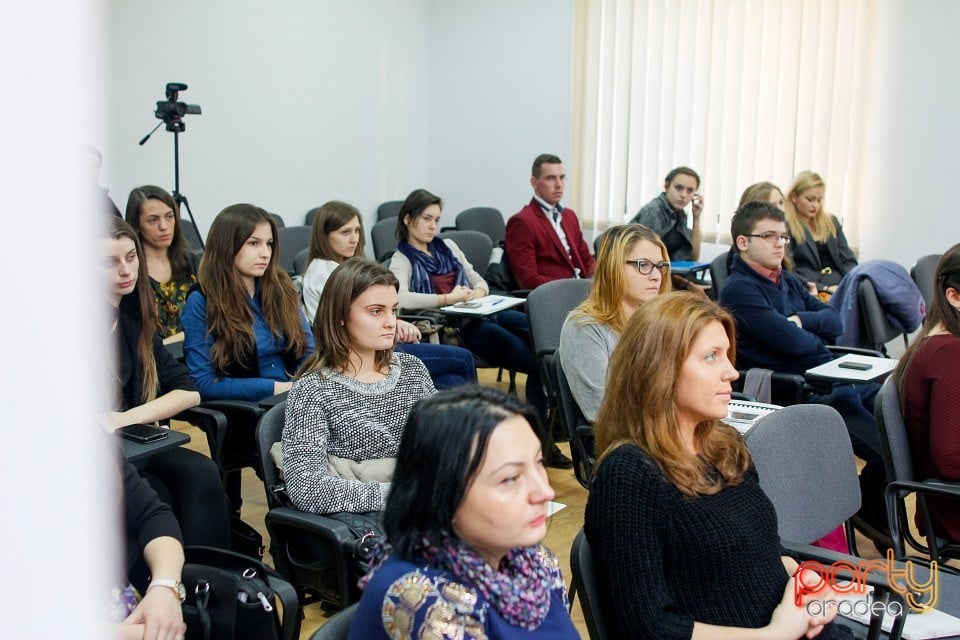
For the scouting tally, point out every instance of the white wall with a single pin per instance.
(911, 205)
(306, 101)
(57, 490)
(500, 95)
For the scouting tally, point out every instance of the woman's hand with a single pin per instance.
(407, 332)
(479, 292)
(160, 614)
(460, 293)
(697, 204)
(790, 620)
(280, 387)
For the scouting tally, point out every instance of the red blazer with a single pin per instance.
(535, 252)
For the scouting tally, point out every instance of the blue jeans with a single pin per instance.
(503, 340)
(449, 366)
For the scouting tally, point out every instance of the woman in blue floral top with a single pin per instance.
(154, 215)
(464, 558)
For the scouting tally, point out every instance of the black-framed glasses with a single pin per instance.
(645, 267)
(771, 237)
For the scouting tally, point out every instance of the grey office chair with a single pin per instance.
(486, 220)
(806, 466)
(924, 273)
(579, 430)
(277, 220)
(390, 209)
(337, 627)
(384, 239)
(476, 247)
(877, 331)
(300, 261)
(291, 241)
(903, 481)
(191, 234)
(719, 272)
(311, 214)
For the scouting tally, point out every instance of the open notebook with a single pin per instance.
(742, 414)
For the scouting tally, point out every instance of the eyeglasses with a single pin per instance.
(771, 237)
(645, 267)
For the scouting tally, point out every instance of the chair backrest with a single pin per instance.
(582, 448)
(877, 332)
(269, 431)
(292, 241)
(337, 627)
(300, 261)
(924, 273)
(308, 218)
(719, 271)
(806, 466)
(585, 581)
(486, 220)
(390, 209)
(277, 220)
(383, 238)
(548, 306)
(190, 234)
(894, 442)
(476, 247)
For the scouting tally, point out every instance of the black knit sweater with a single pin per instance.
(665, 560)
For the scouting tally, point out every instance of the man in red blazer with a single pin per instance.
(543, 241)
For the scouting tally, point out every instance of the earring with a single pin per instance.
(341, 323)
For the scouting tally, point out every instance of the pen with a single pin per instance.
(496, 302)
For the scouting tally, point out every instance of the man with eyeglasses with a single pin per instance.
(783, 327)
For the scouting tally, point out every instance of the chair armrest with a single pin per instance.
(834, 348)
(213, 424)
(896, 490)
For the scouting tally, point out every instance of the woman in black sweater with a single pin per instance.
(150, 385)
(684, 541)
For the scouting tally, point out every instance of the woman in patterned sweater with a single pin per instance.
(347, 408)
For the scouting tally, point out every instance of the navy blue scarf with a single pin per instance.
(440, 261)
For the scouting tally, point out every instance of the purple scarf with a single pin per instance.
(439, 261)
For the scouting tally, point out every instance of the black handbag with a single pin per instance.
(244, 539)
(230, 595)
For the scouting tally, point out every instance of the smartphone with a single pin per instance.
(142, 433)
(469, 305)
(858, 366)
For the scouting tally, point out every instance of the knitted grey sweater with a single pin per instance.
(331, 413)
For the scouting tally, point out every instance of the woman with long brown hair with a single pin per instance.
(678, 486)
(154, 215)
(930, 392)
(245, 334)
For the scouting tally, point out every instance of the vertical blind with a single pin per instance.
(739, 90)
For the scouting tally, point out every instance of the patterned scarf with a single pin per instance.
(440, 261)
(519, 590)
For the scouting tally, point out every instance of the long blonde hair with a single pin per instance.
(821, 227)
(639, 404)
(609, 283)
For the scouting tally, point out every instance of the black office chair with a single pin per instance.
(291, 241)
(390, 209)
(903, 481)
(924, 273)
(310, 215)
(277, 220)
(585, 584)
(719, 272)
(191, 235)
(579, 430)
(486, 220)
(307, 548)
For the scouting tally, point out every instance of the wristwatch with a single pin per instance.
(176, 585)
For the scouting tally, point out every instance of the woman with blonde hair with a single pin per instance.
(632, 268)
(679, 484)
(818, 247)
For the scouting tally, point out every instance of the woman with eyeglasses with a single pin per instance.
(819, 249)
(633, 267)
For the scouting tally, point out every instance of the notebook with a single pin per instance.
(743, 414)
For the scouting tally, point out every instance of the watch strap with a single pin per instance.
(175, 585)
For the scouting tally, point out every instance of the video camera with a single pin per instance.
(171, 111)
